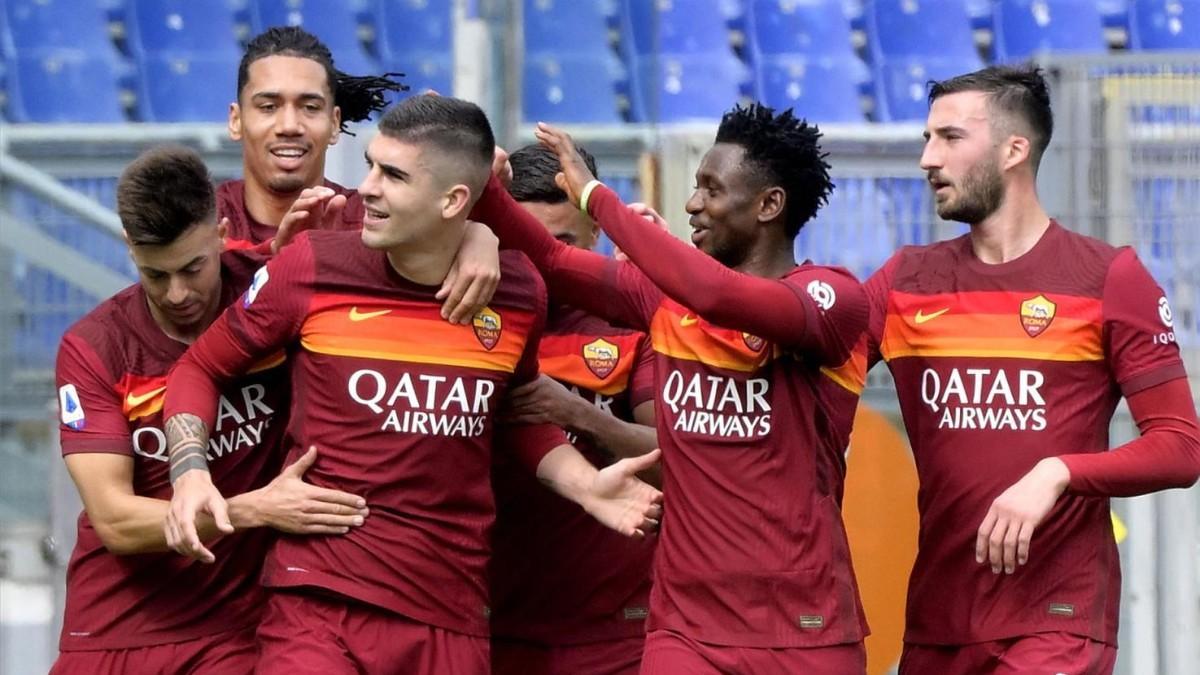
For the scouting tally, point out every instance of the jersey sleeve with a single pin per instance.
(641, 384)
(878, 288)
(835, 312)
(1138, 328)
(266, 318)
(530, 442)
(91, 417)
(617, 292)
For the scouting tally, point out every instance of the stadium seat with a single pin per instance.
(66, 24)
(819, 89)
(335, 22)
(415, 26)
(901, 87)
(183, 87)
(422, 72)
(809, 27)
(857, 212)
(1023, 28)
(674, 27)
(577, 89)
(679, 88)
(921, 30)
(157, 26)
(63, 85)
(1164, 24)
(566, 27)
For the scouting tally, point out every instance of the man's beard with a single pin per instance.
(980, 193)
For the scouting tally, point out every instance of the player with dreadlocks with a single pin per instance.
(758, 376)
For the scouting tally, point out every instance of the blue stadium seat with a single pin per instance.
(819, 89)
(901, 87)
(858, 212)
(422, 72)
(1023, 28)
(675, 27)
(335, 22)
(415, 26)
(1164, 24)
(678, 88)
(63, 85)
(182, 87)
(67, 24)
(920, 29)
(566, 27)
(1114, 13)
(156, 26)
(810, 27)
(571, 89)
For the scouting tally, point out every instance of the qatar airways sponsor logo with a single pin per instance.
(241, 424)
(431, 405)
(719, 406)
(986, 398)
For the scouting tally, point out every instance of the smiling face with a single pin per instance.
(725, 205)
(962, 158)
(286, 120)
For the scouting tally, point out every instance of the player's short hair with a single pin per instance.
(456, 129)
(163, 193)
(534, 167)
(1018, 92)
(357, 96)
(785, 151)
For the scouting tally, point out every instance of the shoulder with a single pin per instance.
(109, 331)
(352, 215)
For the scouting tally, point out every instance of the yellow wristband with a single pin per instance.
(587, 192)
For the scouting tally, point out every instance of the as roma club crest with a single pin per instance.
(601, 357)
(487, 325)
(1036, 315)
(754, 342)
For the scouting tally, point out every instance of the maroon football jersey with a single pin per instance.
(400, 404)
(996, 368)
(111, 374)
(246, 232)
(558, 576)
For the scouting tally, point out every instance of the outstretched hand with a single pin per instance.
(575, 174)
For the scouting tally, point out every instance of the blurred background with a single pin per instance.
(87, 84)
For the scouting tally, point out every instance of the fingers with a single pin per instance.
(344, 501)
(220, 513)
(984, 533)
(1023, 539)
(296, 469)
(996, 545)
(448, 285)
(190, 544)
(468, 305)
(332, 520)
(333, 212)
(635, 465)
(1009, 551)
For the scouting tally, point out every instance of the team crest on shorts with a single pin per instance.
(1036, 315)
(754, 342)
(601, 357)
(487, 325)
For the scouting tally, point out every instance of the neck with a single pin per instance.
(1012, 230)
(428, 262)
(264, 204)
(185, 334)
(772, 257)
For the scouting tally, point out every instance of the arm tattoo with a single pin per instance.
(187, 438)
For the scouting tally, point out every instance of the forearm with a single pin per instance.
(568, 473)
(614, 435)
(135, 525)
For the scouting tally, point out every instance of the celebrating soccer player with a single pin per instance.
(1010, 347)
(405, 404)
(756, 386)
(569, 596)
(131, 607)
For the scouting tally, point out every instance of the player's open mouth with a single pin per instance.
(698, 235)
(288, 157)
(374, 216)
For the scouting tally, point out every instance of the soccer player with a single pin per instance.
(756, 387)
(402, 405)
(131, 606)
(292, 104)
(569, 596)
(1010, 347)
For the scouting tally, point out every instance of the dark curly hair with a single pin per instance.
(534, 167)
(1012, 91)
(357, 95)
(785, 151)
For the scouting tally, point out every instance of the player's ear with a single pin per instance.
(235, 122)
(337, 125)
(457, 202)
(771, 203)
(1016, 151)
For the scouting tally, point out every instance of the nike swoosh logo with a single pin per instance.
(356, 315)
(688, 320)
(134, 401)
(922, 317)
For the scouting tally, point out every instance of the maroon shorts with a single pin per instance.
(231, 653)
(1049, 653)
(302, 634)
(669, 653)
(612, 657)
